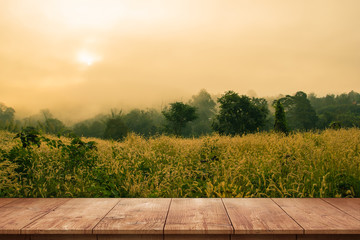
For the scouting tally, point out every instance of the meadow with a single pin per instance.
(302, 164)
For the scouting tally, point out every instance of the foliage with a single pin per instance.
(90, 129)
(325, 164)
(23, 164)
(45, 122)
(205, 110)
(94, 127)
(280, 119)
(335, 125)
(115, 127)
(299, 112)
(142, 122)
(53, 126)
(178, 115)
(29, 136)
(303, 112)
(6, 117)
(343, 108)
(240, 114)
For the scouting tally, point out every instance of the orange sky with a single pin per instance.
(81, 57)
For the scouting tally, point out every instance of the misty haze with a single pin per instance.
(82, 58)
(179, 98)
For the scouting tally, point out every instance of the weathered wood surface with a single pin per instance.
(63, 237)
(21, 212)
(319, 217)
(135, 216)
(179, 219)
(328, 237)
(5, 201)
(77, 216)
(196, 237)
(131, 237)
(263, 237)
(14, 237)
(349, 205)
(197, 216)
(259, 216)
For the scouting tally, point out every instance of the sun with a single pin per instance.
(86, 58)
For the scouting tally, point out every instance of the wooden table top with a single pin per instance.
(179, 216)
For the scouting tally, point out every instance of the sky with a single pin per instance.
(81, 57)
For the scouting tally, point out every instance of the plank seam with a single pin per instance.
(92, 230)
(289, 215)
(167, 214)
(233, 231)
(339, 209)
(53, 209)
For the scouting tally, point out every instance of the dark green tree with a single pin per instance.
(141, 122)
(50, 124)
(240, 114)
(343, 109)
(280, 119)
(300, 114)
(7, 115)
(90, 128)
(96, 129)
(53, 126)
(115, 127)
(205, 109)
(81, 129)
(93, 127)
(178, 115)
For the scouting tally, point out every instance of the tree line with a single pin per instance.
(229, 114)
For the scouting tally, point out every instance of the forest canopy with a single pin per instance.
(204, 114)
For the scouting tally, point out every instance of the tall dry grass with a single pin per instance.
(310, 164)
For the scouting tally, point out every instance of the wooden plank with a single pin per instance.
(329, 237)
(63, 237)
(197, 216)
(14, 237)
(259, 216)
(21, 212)
(263, 237)
(77, 216)
(135, 216)
(5, 201)
(318, 217)
(42, 204)
(131, 237)
(196, 237)
(349, 205)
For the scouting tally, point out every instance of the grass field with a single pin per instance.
(324, 164)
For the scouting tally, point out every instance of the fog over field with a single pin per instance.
(79, 58)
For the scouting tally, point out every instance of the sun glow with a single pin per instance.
(87, 58)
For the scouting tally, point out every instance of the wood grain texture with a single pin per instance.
(21, 212)
(63, 237)
(349, 205)
(5, 201)
(131, 237)
(77, 216)
(135, 216)
(259, 216)
(196, 237)
(14, 237)
(197, 216)
(329, 237)
(263, 237)
(318, 217)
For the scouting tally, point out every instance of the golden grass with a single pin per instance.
(310, 164)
